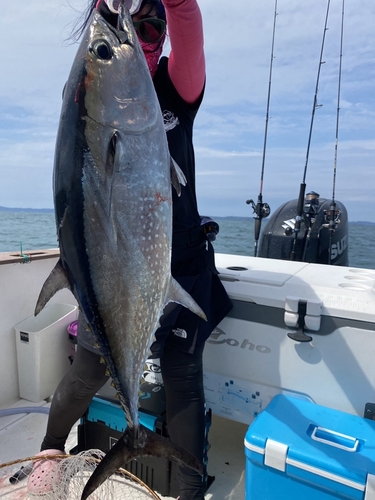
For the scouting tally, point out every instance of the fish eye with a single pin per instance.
(102, 50)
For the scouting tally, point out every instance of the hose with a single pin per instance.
(25, 409)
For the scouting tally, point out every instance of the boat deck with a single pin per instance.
(21, 435)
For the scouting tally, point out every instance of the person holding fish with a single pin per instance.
(179, 82)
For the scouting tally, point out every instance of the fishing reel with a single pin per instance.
(332, 217)
(262, 210)
(311, 203)
(311, 208)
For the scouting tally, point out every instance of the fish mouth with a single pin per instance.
(116, 23)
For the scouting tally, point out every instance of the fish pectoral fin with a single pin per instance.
(56, 281)
(177, 177)
(159, 446)
(180, 295)
(138, 443)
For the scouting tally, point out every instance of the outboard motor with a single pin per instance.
(314, 238)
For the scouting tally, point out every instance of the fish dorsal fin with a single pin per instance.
(178, 294)
(56, 281)
(177, 177)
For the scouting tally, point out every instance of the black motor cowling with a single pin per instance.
(321, 228)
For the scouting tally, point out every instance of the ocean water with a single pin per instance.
(34, 230)
(236, 236)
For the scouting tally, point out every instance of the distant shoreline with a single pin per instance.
(38, 210)
(229, 217)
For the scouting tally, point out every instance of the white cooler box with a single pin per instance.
(249, 358)
(43, 350)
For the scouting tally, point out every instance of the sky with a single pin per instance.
(229, 134)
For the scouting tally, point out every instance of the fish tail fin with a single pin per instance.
(136, 443)
(180, 295)
(159, 446)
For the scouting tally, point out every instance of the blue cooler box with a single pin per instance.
(296, 449)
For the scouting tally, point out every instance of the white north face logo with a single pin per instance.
(170, 120)
(179, 332)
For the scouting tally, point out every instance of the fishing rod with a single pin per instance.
(261, 209)
(334, 214)
(301, 197)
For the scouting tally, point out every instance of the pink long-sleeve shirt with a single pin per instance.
(186, 66)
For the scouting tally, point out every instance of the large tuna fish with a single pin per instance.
(112, 190)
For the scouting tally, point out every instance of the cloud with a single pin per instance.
(216, 153)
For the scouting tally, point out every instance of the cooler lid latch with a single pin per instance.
(370, 487)
(275, 455)
(302, 314)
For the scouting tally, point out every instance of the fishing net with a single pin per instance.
(71, 475)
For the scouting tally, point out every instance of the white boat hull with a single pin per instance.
(249, 358)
